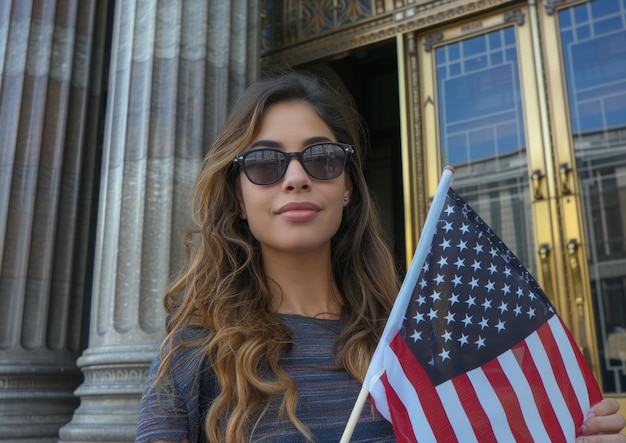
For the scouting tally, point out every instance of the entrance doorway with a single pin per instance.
(370, 76)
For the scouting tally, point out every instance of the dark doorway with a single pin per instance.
(370, 75)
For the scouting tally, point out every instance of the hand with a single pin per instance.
(603, 424)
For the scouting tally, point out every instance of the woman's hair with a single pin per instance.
(223, 288)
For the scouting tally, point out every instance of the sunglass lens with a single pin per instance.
(264, 166)
(324, 161)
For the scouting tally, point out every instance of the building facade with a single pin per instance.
(107, 108)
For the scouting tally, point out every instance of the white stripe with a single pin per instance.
(491, 404)
(406, 392)
(571, 364)
(523, 391)
(454, 409)
(542, 362)
(377, 390)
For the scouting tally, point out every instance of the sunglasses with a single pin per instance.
(322, 161)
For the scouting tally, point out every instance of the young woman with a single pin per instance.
(272, 323)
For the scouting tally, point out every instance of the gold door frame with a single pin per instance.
(562, 266)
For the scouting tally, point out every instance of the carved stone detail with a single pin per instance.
(515, 15)
(398, 21)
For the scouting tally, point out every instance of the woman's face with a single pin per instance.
(297, 214)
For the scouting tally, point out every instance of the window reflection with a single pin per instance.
(593, 39)
(482, 133)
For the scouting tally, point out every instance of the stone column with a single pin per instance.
(161, 97)
(48, 112)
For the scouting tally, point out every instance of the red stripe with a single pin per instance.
(593, 389)
(426, 392)
(477, 416)
(402, 426)
(508, 399)
(546, 411)
(560, 373)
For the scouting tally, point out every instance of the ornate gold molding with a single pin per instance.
(399, 21)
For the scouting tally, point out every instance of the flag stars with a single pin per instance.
(464, 228)
(460, 263)
(493, 268)
(439, 279)
(454, 298)
(447, 336)
(490, 286)
(506, 289)
(500, 325)
(462, 245)
(463, 340)
(519, 292)
(476, 265)
(419, 317)
(445, 244)
(450, 317)
(531, 312)
(507, 272)
(467, 320)
(432, 314)
(486, 304)
(473, 283)
(417, 335)
(483, 323)
(480, 343)
(478, 248)
(423, 283)
(471, 301)
(420, 300)
(444, 355)
(503, 307)
(435, 296)
(449, 210)
(517, 310)
(447, 227)
(493, 252)
(457, 280)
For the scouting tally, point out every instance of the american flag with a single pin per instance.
(478, 353)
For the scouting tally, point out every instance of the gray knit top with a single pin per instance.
(326, 395)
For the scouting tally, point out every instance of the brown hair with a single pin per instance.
(223, 289)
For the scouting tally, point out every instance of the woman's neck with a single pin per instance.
(302, 284)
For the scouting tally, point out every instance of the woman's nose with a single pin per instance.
(295, 176)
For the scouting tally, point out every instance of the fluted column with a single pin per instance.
(48, 108)
(171, 74)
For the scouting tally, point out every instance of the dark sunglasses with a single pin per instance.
(323, 161)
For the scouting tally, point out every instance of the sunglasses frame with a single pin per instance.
(239, 160)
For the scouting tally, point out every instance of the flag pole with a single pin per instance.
(412, 274)
(354, 416)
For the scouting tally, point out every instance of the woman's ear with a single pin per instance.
(348, 192)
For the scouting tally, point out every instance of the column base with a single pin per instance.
(109, 396)
(36, 400)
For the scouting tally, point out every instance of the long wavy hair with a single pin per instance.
(224, 290)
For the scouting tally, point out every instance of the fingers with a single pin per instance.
(606, 406)
(615, 438)
(603, 424)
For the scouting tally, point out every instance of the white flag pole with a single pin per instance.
(399, 307)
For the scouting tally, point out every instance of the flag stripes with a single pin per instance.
(517, 385)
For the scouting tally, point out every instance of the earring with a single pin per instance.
(345, 198)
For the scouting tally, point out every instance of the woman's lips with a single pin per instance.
(298, 211)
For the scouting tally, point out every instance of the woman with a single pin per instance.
(273, 321)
